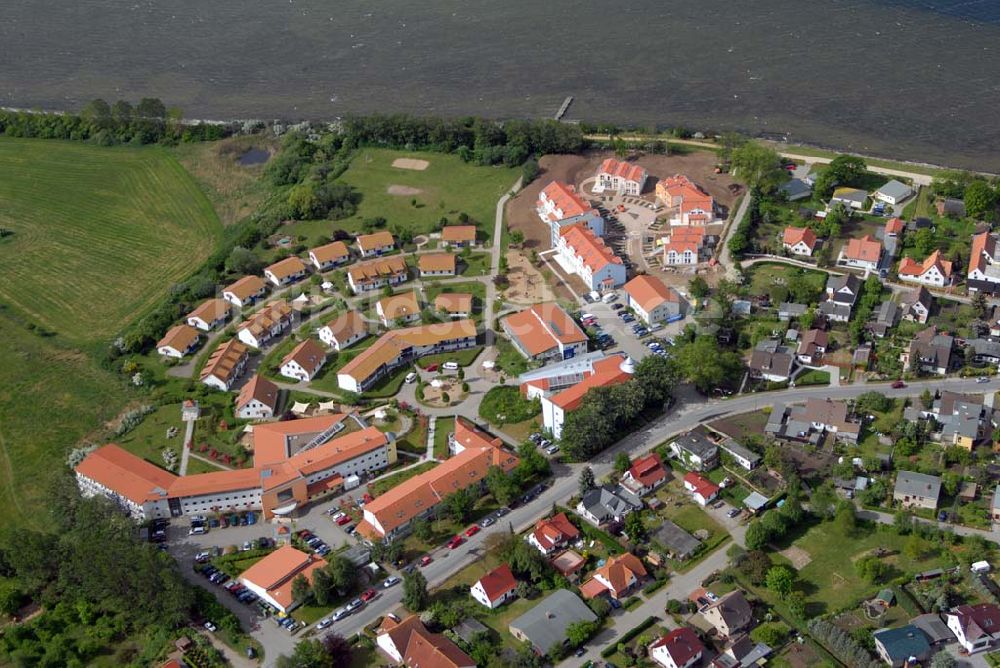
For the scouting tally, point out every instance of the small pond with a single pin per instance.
(255, 156)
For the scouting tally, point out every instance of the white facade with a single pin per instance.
(255, 410)
(232, 298)
(375, 283)
(971, 646)
(214, 381)
(255, 341)
(658, 313)
(139, 512)
(294, 370)
(932, 277)
(800, 248)
(479, 593)
(663, 657)
(286, 280)
(686, 256)
(609, 275)
(170, 351)
(384, 641)
(327, 336)
(205, 326)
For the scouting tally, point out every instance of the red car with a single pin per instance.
(369, 595)
(898, 384)
(472, 531)
(455, 542)
(346, 519)
(425, 560)
(432, 367)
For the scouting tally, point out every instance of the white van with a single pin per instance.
(609, 297)
(410, 377)
(450, 366)
(980, 567)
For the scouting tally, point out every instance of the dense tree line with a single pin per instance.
(148, 122)
(478, 140)
(608, 412)
(96, 582)
(841, 644)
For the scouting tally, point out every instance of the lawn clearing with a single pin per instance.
(442, 427)
(100, 234)
(382, 485)
(52, 398)
(448, 187)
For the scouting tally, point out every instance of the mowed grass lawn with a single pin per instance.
(100, 234)
(51, 398)
(447, 188)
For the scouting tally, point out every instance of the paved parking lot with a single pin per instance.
(621, 331)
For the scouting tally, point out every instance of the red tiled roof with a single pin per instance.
(648, 470)
(910, 267)
(894, 226)
(794, 235)
(591, 249)
(624, 170)
(865, 249)
(619, 570)
(983, 244)
(701, 484)
(458, 233)
(607, 372)
(649, 292)
(309, 355)
(682, 644)
(543, 326)
(555, 530)
(566, 199)
(498, 582)
(287, 267)
(126, 474)
(276, 572)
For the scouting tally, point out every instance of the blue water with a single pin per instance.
(918, 79)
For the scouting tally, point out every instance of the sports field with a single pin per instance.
(445, 188)
(99, 234)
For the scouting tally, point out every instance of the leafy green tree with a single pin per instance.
(780, 580)
(501, 486)
(698, 288)
(459, 504)
(773, 634)
(415, 596)
(796, 603)
(634, 527)
(846, 519)
(757, 536)
(578, 633)
(586, 479)
(300, 588)
(343, 574)
(243, 261)
(529, 172)
(707, 366)
(872, 569)
(759, 167)
(422, 529)
(823, 501)
(980, 199)
(622, 462)
(322, 587)
(844, 170)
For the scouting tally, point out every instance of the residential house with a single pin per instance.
(864, 253)
(902, 646)
(545, 331)
(680, 648)
(677, 542)
(392, 513)
(586, 255)
(730, 614)
(329, 256)
(884, 319)
(695, 450)
(703, 490)
(745, 457)
(932, 271)
(375, 244)
(976, 627)
(180, 340)
(409, 643)
(553, 534)
(376, 274)
(799, 241)
(562, 386)
(245, 291)
(495, 588)
(645, 475)
(893, 192)
(559, 205)
(304, 362)
(544, 626)
(916, 305)
(265, 324)
(684, 246)
(271, 578)
(623, 178)
(209, 315)
(455, 304)
(459, 236)
(984, 264)
(917, 490)
(931, 352)
(344, 331)
(810, 422)
(603, 505)
(812, 346)
(934, 628)
(225, 365)
(790, 311)
(742, 652)
(694, 206)
(795, 189)
(618, 577)
(653, 301)
(257, 400)
(772, 361)
(843, 289)
(834, 311)
(994, 321)
(399, 347)
(401, 308)
(952, 208)
(568, 564)
(436, 264)
(851, 198)
(285, 271)
(964, 419)
(894, 228)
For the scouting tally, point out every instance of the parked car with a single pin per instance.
(390, 581)
(425, 560)
(503, 510)
(343, 519)
(898, 384)
(580, 652)
(368, 595)
(472, 531)
(982, 379)
(488, 521)
(211, 627)
(410, 377)
(341, 613)
(733, 513)
(324, 623)
(198, 530)
(202, 557)
(450, 366)
(552, 450)
(455, 542)
(356, 604)
(432, 367)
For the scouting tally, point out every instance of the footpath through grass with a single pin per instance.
(99, 234)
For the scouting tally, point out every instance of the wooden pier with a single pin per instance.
(562, 109)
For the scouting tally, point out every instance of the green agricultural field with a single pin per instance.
(447, 188)
(51, 398)
(100, 234)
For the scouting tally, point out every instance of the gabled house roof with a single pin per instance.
(619, 570)
(458, 233)
(590, 248)
(211, 310)
(734, 609)
(648, 470)
(977, 621)
(681, 644)
(603, 502)
(911, 483)
(399, 306)
(498, 582)
(420, 648)
(367, 242)
(346, 325)
(382, 267)
(555, 530)
(258, 388)
(794, 235)
(542, 327)
(565, 198)
(285, 268)
(331, 252)
(648, 292)
(625, 170)
(309, 355)
(903, 642)
(179, 337)
(702, 485)
(436, 262)
(276, 572)
(453, 302)
(865, 249)
(910, 267)
(132, 477)
(224, 360)
(246, 287)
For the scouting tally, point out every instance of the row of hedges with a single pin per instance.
(628, 636)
